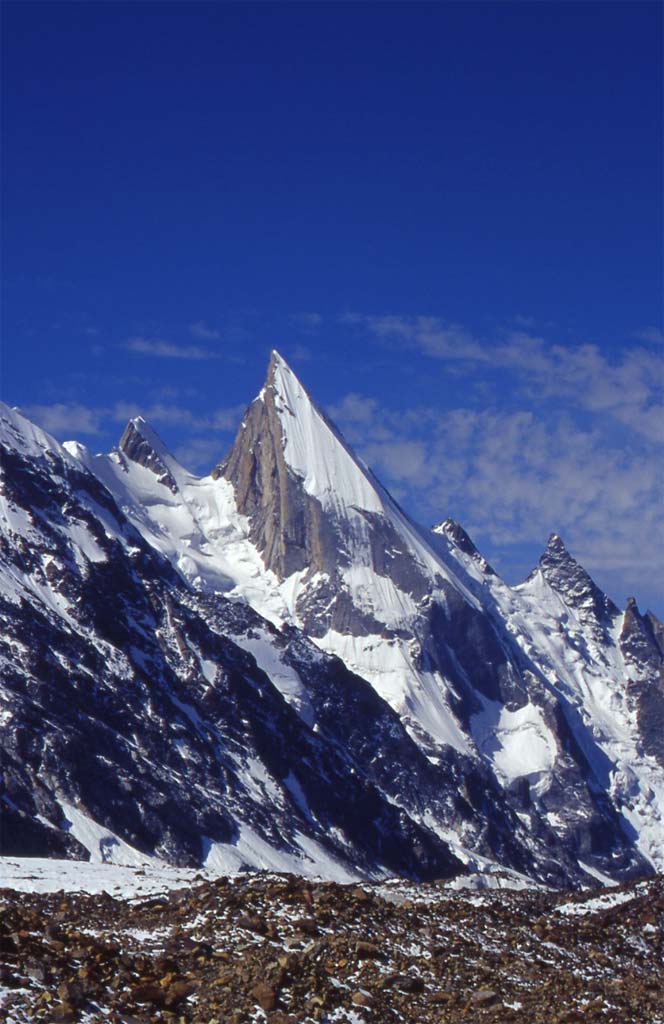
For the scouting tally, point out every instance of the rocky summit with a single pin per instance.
(283, 950)
(273, 667)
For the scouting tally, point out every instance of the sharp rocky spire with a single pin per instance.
(576, 587)
(142, 445)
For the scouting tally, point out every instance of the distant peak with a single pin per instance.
(281, 378)
(556, 556)
(556, 543)
(277, 359)
(137, 425)
(142, 445)
(455, 531)
(577, 588)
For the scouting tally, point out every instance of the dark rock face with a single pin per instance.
(24, 836)
(293, 532)
(137, 443)
(462, 540)
(641, 646)
(656, 629)
(571, 580)
(288, 526)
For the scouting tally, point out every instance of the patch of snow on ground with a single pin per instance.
(598, 903)
(41, 874)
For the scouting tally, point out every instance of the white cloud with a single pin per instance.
(227, 418)
(157, 412)
(167, 350)
(68, 420)
(64, 418)
(355, 408)
(169, 414)
(629, 388)
(200, 454)
(301, 354)
(204, 332)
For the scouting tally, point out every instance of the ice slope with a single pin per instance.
(315, 451)
(198, 528)
(595, 681)
(330, 472)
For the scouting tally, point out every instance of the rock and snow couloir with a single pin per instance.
(508, 724)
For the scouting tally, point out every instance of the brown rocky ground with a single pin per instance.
(277, 948)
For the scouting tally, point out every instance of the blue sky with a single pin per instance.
(447, 217)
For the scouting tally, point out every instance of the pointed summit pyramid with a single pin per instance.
(311, 502)
(265, 468)
(574, 585)
(314, 449)
(456, 533)
(142, 445)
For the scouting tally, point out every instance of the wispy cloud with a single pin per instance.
(301, 354)
(629, 388)
(514, 474)
(167, 350)
(227, 418)
(204, 332)
(653, 335)
(571, 439)
(166, 413)
(306, 321)
(66, 418)
(223, 418)
(200, 454)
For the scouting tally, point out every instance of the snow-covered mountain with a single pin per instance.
(274, 665)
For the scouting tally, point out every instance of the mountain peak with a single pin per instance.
(571, 581)
(555, 547)
(456, 533)
(277, 361)
(288, 465)
(281, 379)
(142, 445)
(313, 449)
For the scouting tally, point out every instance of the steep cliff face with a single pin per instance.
(313, 508)
(287, 525)
(564, 575)
(643, 651)
(140, 444)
